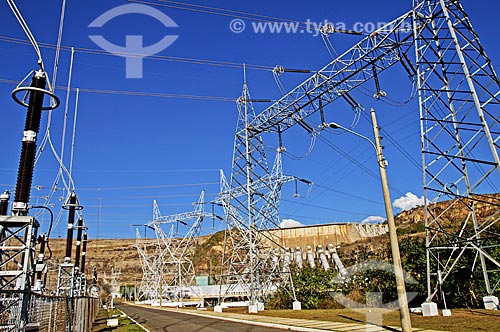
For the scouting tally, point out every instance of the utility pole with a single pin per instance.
(396, 255)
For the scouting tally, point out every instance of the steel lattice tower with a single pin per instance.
(252, 263)
(150, 260)
(459, 107)
(175, 266)
(458, 92)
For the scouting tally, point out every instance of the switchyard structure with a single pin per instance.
(168, 271)
(26, 303)
(149, 255)
(458, 93)
(253, 262)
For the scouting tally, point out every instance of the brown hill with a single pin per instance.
(121, 254)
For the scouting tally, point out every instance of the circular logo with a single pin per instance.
(237, 25)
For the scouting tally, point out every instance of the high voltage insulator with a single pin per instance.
(71, 206)
(78, 242)
(4, 203)
(28, 151)
(379, 93)
(40, 266)
(280, 70)
(329, 29)
(19, 271)
(84, 251)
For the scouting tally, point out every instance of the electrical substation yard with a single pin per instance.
(433, 44)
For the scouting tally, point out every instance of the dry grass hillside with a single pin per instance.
(121, 254)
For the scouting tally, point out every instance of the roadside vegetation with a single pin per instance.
(124, 322)
(317, 289)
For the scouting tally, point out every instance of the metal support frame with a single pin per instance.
(17, 261)
(149, 256)
(18, 233)
(252, 264)
(66, 280)
(458, 92)
(459, 105)
(168, 270)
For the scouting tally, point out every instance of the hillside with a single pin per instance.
(121, 254)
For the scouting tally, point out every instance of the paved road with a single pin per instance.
(168, 321)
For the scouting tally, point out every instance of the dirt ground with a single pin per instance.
(461, 320)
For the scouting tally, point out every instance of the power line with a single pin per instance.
(219, 11)
(94, 51)
(397, 145)
(348, 194)
(355, 162)
(322, 207)
(126, 188)
(139, 93)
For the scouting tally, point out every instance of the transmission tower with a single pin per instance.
(150, 261)
(176, 254)
(252, 263)
(458, 91)
(459, 106)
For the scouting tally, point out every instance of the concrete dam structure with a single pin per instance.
(323, 235)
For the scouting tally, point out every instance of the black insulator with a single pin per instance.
(4, 203)
(35, 104)
(305, 125)
(71, 222)
(41, 254)
(304, 71)
(28, 151)
(408, 66)
(322, 114)
(259, 100)
(84, 252)
(280, 138)
(375, 77)
(25, 173)
(350, 100)
(78, 241)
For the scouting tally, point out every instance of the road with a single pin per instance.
(168, 321)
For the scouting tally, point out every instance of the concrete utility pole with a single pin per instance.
(396, 256)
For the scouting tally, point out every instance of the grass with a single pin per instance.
(124, 323)
(461, 320)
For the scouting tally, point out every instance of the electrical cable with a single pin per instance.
(93, 51)
(127, 188)
(58, 45)
(308, 152)
(329, 46)
(397, 145)
(219, 11)
(72, 153)
(50, 226)
(348, 194)
(357, 163)
(322, 207)
(65, 119)
(141, 94)
(27, 31)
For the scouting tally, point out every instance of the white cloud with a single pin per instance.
(408, 201)
(287, 223)
(373, 220)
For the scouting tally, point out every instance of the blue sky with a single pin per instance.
(131, 149)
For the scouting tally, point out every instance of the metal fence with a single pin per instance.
(51, 314)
